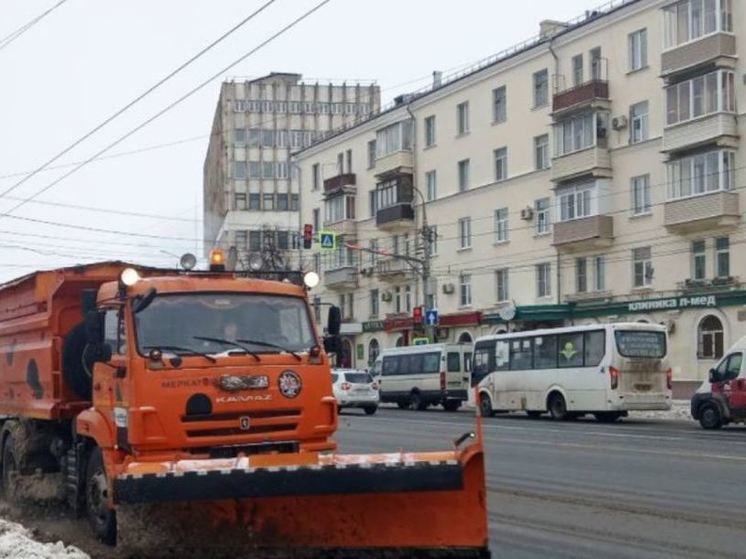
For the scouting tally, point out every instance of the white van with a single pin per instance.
(416, 377)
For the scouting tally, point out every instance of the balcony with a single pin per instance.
(395, 163)
(594, 93)
(592, 232)
(345, 181)
(345, 227)
(392, 268)
(702, 213)
(594, 161)
(720, 129)
(341, 278)
(718, 49)
(395, 218)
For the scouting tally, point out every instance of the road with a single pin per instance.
(635, 489)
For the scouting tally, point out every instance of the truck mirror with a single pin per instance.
(714, 376)
(334, 321)
(331, 344)
(94, 327)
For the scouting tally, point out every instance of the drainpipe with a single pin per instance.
(559, 270)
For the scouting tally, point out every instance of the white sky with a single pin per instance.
(89, 58)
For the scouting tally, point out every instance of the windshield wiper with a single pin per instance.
(275, 346)
(210, 358)
(228, 342)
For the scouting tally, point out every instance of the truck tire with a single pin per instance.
(710, 416)
(370, 410)
(558, 407)
(102, 519)
(75, 367)
(10, 467)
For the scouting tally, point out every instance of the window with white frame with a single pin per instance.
(315, 176)
(464, 232)
(502, 285)
(371, 154)
(541, 152)
(637, 50)
(544, 279)
(701, 173)
(577, 201)
(462, 117)
(640, 187)
(722, 257)
(710, 338)
(541, 88)
(599, 273)
(374, 299)
(239, 169)
(268, 170)
(699, 260)
(463, 175)
(700, 96)
(581, 275)
(239, 136)
(430, 131)
(373, 251)
(431, 181)
(239, 201)
(393, 138)
(501, 225)
(501, 164)
(690, 20)
(398, 299)
(576, 133)
(465, 290)
(543, 220)
(577, 70)
(282, 170)
(433, 240)
(408, 298)
(242, 240)
(499, 104)
(339, 208)
(638, 122)
(642, 267)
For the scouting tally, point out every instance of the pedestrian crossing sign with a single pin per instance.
(327, 241)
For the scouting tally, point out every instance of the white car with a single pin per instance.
(354, 388)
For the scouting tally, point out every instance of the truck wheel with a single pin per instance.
(710, 416)
(10, 467)
(557, 407)
(102, 519)
(485, 406)
(370, 410)
(451, 405)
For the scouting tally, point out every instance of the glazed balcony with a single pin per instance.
(341, 278)
(344, 181)
(718, 49)
(345, 227)
(706, 212)
(395, 218)
(392, 268)
(394, 163)
(586, 233)
(594, 161)
(719, 129)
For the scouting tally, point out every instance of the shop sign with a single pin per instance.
(673, 303)
(392, 324)
(373, 326)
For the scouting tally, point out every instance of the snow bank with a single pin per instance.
(17, 542)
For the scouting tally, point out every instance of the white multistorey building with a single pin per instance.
(592, 174)
(249, 200)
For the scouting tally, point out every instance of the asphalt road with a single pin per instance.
(636, 489)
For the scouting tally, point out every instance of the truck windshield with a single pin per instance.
(182, 319)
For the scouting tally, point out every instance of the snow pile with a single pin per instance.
(680, 409)
(17, 542)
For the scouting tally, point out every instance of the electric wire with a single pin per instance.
(8, 39)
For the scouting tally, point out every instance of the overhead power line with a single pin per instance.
(8, 39)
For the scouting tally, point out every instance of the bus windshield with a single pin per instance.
(274, 322)
(641, 343)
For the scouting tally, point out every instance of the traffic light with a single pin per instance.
(307, 235)
(417, 315)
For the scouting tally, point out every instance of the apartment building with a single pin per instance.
(249, 200)
(592, 174)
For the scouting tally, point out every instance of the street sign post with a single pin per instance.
(431, 317)
(327, 240)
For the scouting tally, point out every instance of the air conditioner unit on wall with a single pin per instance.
(448, 288)
(527, 213)
(619, 122)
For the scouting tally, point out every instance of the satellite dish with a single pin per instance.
(507, 313)
(188, 261)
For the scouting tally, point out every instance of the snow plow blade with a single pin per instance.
(429, 505)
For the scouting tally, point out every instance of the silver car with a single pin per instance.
(354, 388)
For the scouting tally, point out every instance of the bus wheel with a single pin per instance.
(607, 416)
(485, 406)
(102, 519)
(557, 407)
(710, 416)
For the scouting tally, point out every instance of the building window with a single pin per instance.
(463, 175)
(317, 308)
(268, 138)
(430, 131)
(577, 201)
(282, 138)
(268, 202)
(371, 154)
(541, 88)
(315, 176)
(638, 50)
(577, 133)
(282, 202)
(599, 275)
(397, 300)
(596, 60)
(640, 187)
(431, 179)
(700, 174)
(542, 216)
(700, 96)
(722, 257)
(465, 290)
(294, 202)
(283, 240)
(316, 220)
(393, 138)
(642, 263)
(462, 117)
(346, 306)
(374, 298)
(638, 119)
(689, 20)
(255, 137)
(501, 225)
(268, 170)
(408, 299)
(239, 201)
(581, 275)
(239, 136)
(541, 152)
(501, 164)
(710, 338)
(374, 349)
(255, 201)
(499, 104)
(255, 240)
(464, 232)
(544, 279)
(239, 169)
(577, 70)
(699, 260)
(242, 240)
(339, 208)
(501, 282)
(373, 254)
(433, 240)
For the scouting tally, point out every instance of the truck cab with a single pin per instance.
(722, 398)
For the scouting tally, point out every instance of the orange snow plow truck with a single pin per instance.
(198, 405)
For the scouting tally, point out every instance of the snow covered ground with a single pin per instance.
(17, 542)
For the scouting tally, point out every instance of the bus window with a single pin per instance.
(390, 366)
(641, 343)
(520, 354)
(502, 355)
(571, 350)
(545, 352)
(454, 362)
(415, 363)
(595, 347)
(431, 363)
(484, 361)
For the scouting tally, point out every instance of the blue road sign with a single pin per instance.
(327, 241)
(431, 317)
